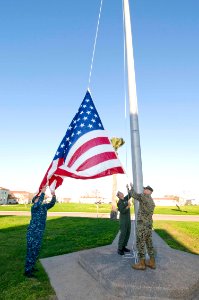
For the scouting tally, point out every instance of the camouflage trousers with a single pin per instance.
(144, 238)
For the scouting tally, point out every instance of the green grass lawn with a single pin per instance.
(104, 208)
(172, 210)
(62, 235)
(66, 235)
(62, 207)
(179, 235)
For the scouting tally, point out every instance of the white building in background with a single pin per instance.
(90, 199)
(60, 199)
(22, 196)
(191, 201)
(93, 197)
(195, 201)
(165, 201)
(3, 195)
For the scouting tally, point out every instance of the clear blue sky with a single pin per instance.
(45, 56)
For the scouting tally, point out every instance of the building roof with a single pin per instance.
(165, 198)
(20, 192)
(2, 188)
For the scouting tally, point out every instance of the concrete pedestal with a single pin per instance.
(176, 275)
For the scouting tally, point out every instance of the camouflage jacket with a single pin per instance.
(146, 207)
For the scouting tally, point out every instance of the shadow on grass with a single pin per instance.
(179, 210)
(71, 234)
(62, 234)
(172, 242)
(5, 216)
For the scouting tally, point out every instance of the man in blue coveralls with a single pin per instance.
(36, 230)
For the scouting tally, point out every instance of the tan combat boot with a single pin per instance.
(140, 265)
(151, 263)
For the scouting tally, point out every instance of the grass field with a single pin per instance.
(63, 207)
(104, 208)
(66, 235)
(62, 235)
(179, 235)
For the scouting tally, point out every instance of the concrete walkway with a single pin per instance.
(102, 274)
(193, 218)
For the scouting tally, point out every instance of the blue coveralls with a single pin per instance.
(36, 229)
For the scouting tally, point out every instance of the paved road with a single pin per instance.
(193, 218)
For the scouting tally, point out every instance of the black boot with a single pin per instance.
(35, 269)
(120, 252)
(126, 249)
(29, 274)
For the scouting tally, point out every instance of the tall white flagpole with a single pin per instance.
(134, 125)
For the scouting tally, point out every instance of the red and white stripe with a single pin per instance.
(92, 156)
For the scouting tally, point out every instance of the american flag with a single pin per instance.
(85, 152)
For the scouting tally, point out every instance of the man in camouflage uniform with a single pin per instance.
(36, 230)
(144, 228)
(125, 222)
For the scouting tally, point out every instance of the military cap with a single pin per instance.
(148, 188)
(34, 198)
